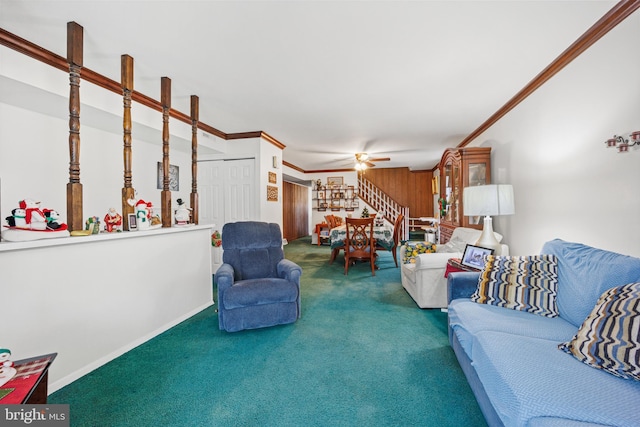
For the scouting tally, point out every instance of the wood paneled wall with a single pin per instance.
(295, 215)
(408, 188)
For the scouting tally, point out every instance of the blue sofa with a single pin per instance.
(511, 358)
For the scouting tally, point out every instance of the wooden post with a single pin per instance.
(128, 192)
(74, 187)
(195, 112)
(165, 199)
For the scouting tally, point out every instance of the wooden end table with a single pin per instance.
(30, 383)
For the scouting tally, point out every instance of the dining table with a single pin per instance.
(383, 234)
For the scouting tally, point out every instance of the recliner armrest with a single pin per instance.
(224, 277)
(289, 270)
(461, 284)
(435, 260)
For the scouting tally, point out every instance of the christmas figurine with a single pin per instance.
(7, 371)
(182, 213)
(142, 212)
(35, 217)
(112, 221)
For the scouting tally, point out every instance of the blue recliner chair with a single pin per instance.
(257, 287)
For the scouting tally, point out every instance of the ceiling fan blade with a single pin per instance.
(379, 159)
(369, 164)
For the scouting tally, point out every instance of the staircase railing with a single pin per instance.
(383, 204)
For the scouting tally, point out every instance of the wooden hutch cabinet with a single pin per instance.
(460, 168)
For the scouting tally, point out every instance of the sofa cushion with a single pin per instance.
(467, 319)
(609, 338)
(413, 249)
(584, 273)
(527, 379)
(524, 283)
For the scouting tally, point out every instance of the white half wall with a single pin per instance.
(91, 299)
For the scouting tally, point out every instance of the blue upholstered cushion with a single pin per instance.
(527, 283)
(584, 273)
(609, 338)
(528, 378)
(260, 291)
(252, 248)
(468, 319)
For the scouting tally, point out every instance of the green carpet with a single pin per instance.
(363, 354)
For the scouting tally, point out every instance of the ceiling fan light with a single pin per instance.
(358, 166)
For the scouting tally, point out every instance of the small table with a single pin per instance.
(30, 383)
(321, 233)
(454, 265)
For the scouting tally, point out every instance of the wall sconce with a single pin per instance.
(623, 144)
(275, 162)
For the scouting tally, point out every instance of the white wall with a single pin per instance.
(350, 178)
(270, 211)
(551, 148)
(91, 299)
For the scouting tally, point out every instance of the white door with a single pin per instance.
(239, 190)
(227, 193)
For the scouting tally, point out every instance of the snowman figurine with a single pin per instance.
(7, 371)
(35, 217)
(182, 213)
(142, 212)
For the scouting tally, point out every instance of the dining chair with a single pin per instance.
(360, 244)
(396, 239)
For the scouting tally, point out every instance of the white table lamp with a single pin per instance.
(488, 200)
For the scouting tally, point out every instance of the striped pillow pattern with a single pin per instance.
(523, 283)
(609, 338)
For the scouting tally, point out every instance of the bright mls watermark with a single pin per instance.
(34, 415)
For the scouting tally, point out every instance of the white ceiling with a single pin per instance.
(403, 79)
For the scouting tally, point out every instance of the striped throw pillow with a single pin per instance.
(523, 283)
(609, 338)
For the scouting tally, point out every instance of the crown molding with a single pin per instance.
(610, 20)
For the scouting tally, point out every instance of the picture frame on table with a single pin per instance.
(132, 220)
(473, 256)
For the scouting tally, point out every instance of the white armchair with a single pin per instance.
(424, 280)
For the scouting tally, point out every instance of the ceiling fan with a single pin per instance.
(363, 161)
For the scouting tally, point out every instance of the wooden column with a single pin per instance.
(74, 187)
(128, 192)
(195, 112)
(165, 199)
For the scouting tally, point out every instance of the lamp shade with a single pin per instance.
(488, 200)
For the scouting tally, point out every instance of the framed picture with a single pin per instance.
(272, 193)
(272, 178)
(335, 180)
(321, 195)
(174, 177)
(473, 256)
(132, 221)
(335, 203)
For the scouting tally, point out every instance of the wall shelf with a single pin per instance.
(335, 198)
